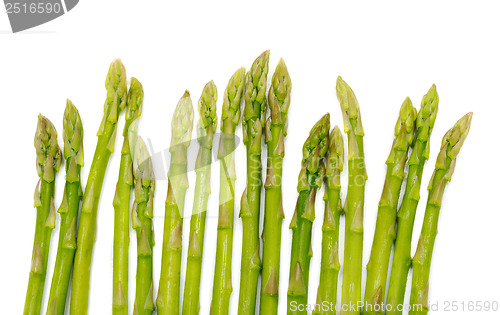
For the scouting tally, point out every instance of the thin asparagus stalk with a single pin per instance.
(230, 119)
(168, 298)
(254, 117)
(406, 214)
(445, 165)
(330, 265)
(207, 125)
(354, 204)
(275, 133)
(121, 202)
(73, 154)
(48, 161)
(116, 86)
(310, 179)
(142, 223)
(385, 229)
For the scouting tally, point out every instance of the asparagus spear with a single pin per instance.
(354, 204)
(330, 265)
(73, 154)
(121, 202)
(48, 161)
(142, 223)
(169, 289)
(310, 179)
(385, 229)
(207, 126)
(254, 117)
(229, 121)
(406, 214)
(275, 132)
(116, 86)
(445, 165)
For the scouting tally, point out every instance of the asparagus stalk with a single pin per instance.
(142, 223)
(275, 133)
(48, 161)
(254, 117)
(330, 265)
(406, 214)
(354, 204)
(207, 126)
(116, 98)
(445, 165)
(121, 202)
(230, 119)
(385, 229)
(169, 289)
(310, 179)
(73, 154)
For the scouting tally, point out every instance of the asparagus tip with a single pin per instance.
(182, 120)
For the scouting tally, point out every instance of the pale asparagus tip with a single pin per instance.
(182, 121)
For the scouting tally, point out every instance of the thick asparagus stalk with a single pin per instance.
(207, 126)
(275, 132)
(230, 119)
(310, 179)
(445, 165)
(385, 229)
(48, 161)
(121, 202)
(406, 214)
(330, 265)
(168, 298)
(354, 204)
(142, 223)
(254, 117)
(73, 154)
(116, 86)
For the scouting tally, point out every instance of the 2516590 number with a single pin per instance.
(471, 306)
(33, 8)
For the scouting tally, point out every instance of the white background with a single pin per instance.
(385, 51)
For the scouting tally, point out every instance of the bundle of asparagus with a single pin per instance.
(323, 159)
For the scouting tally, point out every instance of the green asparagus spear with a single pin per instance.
(406, 214)
(385, 229)
(142, 223)
(445, 165)
(169, 289)
(275, 133)
(48, 161)
(207, 126)
(310, 179)
(116, 98)
(330, 265)
(73, 154)
(354, 204)
(254, 117)
(121, 202)
(230, 119)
